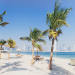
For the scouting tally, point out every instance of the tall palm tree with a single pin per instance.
(1, 20)
(55, 21)
(11, 44)
(2, 42)
(35, 36)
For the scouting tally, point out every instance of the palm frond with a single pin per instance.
(41, 36)
(41, 40)
(56, 39)
(52, 34)
(45, 32)
(11, 43)
(3, 24)
(58, 18)
(26, 38)
(36, 33)
(4, 13)
(50, 37)
(2, 42)
(62, 22)
(57, 7)
(1, 19)
(48, 19)
(38, 47)
(66, 12)
(30, 33)
(59, 32)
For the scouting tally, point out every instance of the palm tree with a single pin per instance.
(35, 36)
(2, 24)
(11, 44)
(2, 42)
(1, 20)
(55, 21)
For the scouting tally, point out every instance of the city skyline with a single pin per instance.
(56, 48)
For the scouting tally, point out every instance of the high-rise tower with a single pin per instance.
(74, 47)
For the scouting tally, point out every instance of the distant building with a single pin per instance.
(63, 48)
(43, 48)
(60, 48)
(57, 48)
(14, 48)
(28, 48)
(68, 49)
(46, 48)
(25, 47)
(74, 47)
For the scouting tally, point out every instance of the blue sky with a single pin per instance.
(23, 14)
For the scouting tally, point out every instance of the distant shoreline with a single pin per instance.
(48, 51)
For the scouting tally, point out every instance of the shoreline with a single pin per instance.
(54, 56)
(48, 51)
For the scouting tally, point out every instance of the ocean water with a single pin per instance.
(64, 55)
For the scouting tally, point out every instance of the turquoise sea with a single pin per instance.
(64, 55)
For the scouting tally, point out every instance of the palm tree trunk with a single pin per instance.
(37, 53)
(32, 56)
(0, 54)
(9, 54)
(0, 51)
(50, 62)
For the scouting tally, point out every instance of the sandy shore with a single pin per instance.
(22, 66)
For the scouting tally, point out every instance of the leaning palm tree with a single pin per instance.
(11, 44)
(1, 20)
(55, 21)
(35, 36)
(2, 42)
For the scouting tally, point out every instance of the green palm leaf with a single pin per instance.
(2, 42)
(56, 20)
(4, 23)
(41, 40)
(45, 32)
(25, 38)
(11, 43)
(59, 32)
(1, 19)
(38, 46)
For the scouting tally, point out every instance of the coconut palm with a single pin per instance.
(1, 20)
(11, 44)
(55, 21)
(2, 42)
(35, 36)
(2, 24)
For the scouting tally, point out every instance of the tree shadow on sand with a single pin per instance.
(14, 57)
(12, 67)
(11, 58)
(56, 70)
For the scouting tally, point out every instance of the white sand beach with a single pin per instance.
(22, 66)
